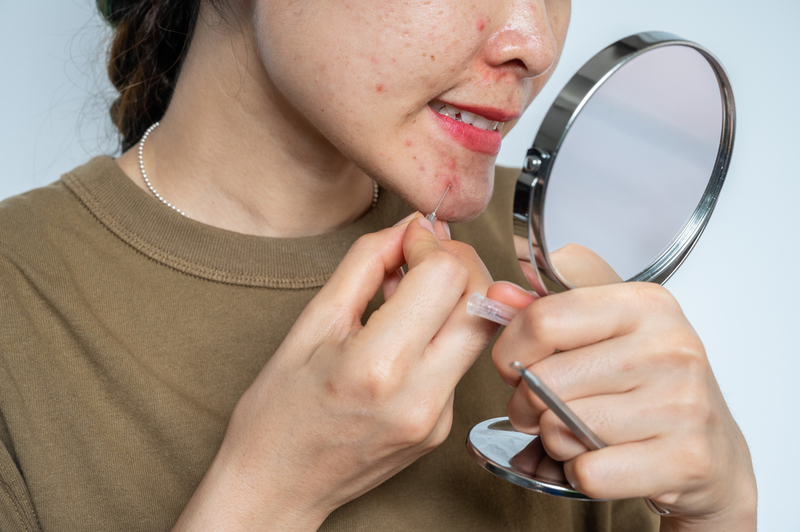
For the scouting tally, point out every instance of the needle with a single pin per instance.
(432, 216)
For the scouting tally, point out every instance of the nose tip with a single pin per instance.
(525, 42)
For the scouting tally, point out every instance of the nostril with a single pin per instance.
(516, 63)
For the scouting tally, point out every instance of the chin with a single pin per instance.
(465, 211)
(462, 204)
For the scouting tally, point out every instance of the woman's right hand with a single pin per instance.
(341, 407)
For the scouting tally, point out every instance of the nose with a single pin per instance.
(525, 43)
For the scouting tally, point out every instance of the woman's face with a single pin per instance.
(417, 93)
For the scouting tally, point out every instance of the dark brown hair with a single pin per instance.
(150, 42)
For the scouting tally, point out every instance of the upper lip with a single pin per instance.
(490, 113)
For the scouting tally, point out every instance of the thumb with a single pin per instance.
(582, 267)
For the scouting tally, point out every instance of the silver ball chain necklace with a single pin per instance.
(375, 188)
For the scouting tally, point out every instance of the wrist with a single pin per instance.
(233, 495)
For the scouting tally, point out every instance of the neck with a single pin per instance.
(232, 152)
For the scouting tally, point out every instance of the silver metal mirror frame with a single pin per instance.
(531, 187)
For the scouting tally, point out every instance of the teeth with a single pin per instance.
(464, 116)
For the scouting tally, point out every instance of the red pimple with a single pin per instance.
(480, 24)
(380, 87)
(408, 142)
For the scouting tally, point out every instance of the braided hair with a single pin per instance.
(150, 42)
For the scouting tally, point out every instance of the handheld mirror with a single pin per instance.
(624, 173)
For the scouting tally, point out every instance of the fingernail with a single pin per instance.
(518, 287)
(400, 273)
(406, 219)
(427, 225)
(446, 228)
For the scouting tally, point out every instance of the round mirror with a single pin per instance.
(622, 178)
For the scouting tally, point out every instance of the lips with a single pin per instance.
(460, 115)
(477, 129)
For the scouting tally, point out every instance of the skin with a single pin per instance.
(301, 121)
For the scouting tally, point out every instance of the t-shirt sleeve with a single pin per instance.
(16, 508)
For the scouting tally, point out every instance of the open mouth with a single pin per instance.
(459, 115)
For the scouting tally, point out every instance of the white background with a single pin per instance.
(739, 287)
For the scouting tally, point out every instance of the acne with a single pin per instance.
(409, 143)
(374, 60)
(380, 87)
(480, 24)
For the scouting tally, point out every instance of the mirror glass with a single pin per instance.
(636, 161)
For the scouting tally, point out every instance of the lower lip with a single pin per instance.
(471, 137)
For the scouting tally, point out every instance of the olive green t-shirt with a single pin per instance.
(129, 333)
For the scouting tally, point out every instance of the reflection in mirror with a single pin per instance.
(635, 162)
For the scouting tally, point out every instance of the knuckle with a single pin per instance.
(554, 437)
(441, 432)
(655, 296)
(698, 461)
(415, 426)
(442, 265)
(541, 320)
(687, 355)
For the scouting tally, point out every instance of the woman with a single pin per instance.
(212, 371)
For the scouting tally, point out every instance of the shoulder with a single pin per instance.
(32, 222)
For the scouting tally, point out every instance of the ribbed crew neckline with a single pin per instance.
(212, 253)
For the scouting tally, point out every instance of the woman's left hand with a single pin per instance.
(633, 369)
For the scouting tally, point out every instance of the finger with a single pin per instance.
(638, 469)
(390, 283)
(577, 318)
(583, 267)
(462, 338)
(511, 294)
(344, 298)
(615, 419)
(442, 230)
(425, 297)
